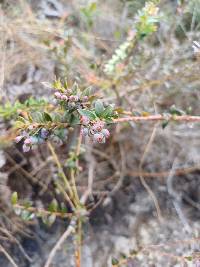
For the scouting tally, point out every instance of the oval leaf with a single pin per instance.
(99, 108)
(87, 113)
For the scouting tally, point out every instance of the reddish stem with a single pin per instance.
(184, 118)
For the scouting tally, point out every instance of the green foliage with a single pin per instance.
(72, 104)
(145, 24)
(12, 110)
(14, 198)
(53, 206)
(88, 13)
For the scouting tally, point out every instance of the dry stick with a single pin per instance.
(76, 196)
(78, 147)
(66, 234)
(62, 172)
(8, 256)
(14, 239)
(91, 167)
(142, 178)
(78, 251)
(79, 241)
(70, 228)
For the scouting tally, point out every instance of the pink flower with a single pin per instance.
(99, 138)
(85, 120)
(18, 138)
(106, 133)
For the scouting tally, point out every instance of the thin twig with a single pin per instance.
(8, 256)
(147, 148)
(65, 235)
(14, 239)
(43, 211)
(60, 169)
(159, 117)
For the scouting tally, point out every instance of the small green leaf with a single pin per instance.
(48, 219)
(93, 7)
(27, 215)
(53, 207)
(14, 198)
(99, 108)
(75, 88)
(19, 125)
(114, 261)
(189, 258)
(165, 123)
(27, 204)
(63, 208)
(122, 255)
(87, 91)
(108, 111)
(176, 111)
(20, 118)
(74, 120)
(47, 116)
(91, 115)
(37, 117)
(51, 219)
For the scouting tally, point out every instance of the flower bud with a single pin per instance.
(99, 138)
(71, 105)
(31, 127)
(28, 142)
(85, 98)
(44, 133)
(106, 133)
(57, 95)
(73, 98)
(98, 126)
(69, 91)
(64, 97)
(19, 138)
(56, 140)
(26, 148)
(84, 131)
(85, 120)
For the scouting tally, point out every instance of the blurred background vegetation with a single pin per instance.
(76, 39)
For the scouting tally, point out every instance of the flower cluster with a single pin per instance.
(32, 139)
(75, 107)
(70, 99)
(94, 129)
